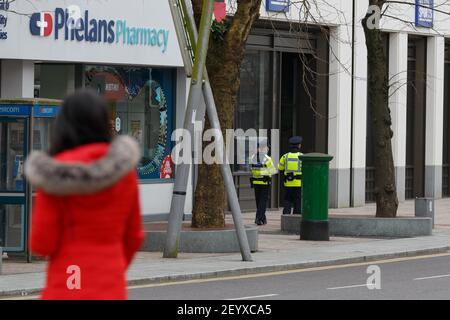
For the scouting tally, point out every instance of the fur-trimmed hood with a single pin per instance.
(61, 178)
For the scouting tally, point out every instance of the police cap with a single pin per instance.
(263, 142)
(295, 140)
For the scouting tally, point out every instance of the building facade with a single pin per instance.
(304, 73)
(316, 62)
(127, 51)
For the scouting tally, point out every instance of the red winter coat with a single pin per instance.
(86, 218)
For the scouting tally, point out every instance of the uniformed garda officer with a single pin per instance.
(290, 168)
(262, 171)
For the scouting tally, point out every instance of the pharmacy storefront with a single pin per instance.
(126, 50)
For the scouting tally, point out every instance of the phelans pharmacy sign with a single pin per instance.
(71, 25)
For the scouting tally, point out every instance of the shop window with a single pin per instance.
(140, 102)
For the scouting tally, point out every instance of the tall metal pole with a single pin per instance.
(194, 100)
(226, 174)
(184, 35)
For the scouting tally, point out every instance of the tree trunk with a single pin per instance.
(226, 52)
(380, 115)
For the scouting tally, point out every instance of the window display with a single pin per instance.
(140, 102)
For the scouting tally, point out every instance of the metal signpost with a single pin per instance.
(188, 39)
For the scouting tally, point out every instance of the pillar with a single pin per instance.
(339, 126)
(17, 79)
(434, 132)
(398, 73)
(359, 111)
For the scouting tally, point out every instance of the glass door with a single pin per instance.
(13, 139)
(253, 112)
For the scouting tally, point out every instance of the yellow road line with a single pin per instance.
(268, 274)
(278, 273)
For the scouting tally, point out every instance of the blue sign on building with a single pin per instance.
(14, 110)
(278, 5)
(425, 13)
(45, 111)
(39, 111)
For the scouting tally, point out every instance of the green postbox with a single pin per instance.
(314, 226)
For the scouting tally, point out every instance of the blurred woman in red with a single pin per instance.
(86, 216)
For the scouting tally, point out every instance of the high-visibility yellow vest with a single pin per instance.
(292, 167)
(262, 170)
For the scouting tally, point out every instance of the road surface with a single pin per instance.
(425, 277)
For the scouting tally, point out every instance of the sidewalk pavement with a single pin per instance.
(277, 252)
(405, 209)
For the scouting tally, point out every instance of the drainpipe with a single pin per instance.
(352, 102)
